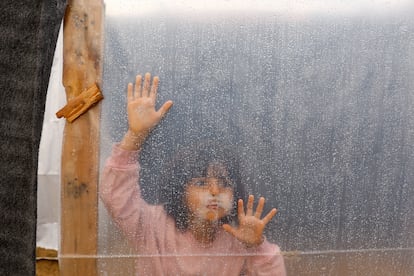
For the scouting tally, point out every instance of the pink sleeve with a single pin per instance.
(120, 193)
(266, 259)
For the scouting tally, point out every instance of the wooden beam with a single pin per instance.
(82, 68)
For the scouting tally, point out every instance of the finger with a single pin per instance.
(130, 96)
(250, 206)
(240, 209)
(259, 208)
(269, 216)
(165, 108)
(229, 229)
(138, 81)
(147, 81)
(154, 88)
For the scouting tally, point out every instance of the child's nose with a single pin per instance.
(214, 187)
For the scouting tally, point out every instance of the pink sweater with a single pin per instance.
(163, 248)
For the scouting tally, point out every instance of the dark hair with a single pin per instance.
(192, 162)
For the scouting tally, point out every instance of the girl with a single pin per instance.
(193, 231)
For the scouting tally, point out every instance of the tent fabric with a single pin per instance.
(49, 166)
(28, 31)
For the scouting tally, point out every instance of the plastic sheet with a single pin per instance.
(317, 96)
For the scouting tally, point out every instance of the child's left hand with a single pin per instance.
(250, 229)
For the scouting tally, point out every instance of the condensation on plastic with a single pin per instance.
(318, 97)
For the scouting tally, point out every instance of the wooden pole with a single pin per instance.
(82, 68)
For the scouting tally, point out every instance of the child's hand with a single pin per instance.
(250, 230)
(142, 116)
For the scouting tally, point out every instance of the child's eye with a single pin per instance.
(226, 182)
(199, 182)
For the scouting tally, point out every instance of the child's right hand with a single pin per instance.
(142, 116)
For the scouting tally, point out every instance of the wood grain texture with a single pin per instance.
(82, 68)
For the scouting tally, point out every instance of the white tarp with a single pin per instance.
(48, 190)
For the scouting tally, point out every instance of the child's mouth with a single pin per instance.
(213, 206)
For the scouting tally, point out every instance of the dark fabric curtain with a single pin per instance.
(28, 34)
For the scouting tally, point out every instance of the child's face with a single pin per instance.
(210, 197)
